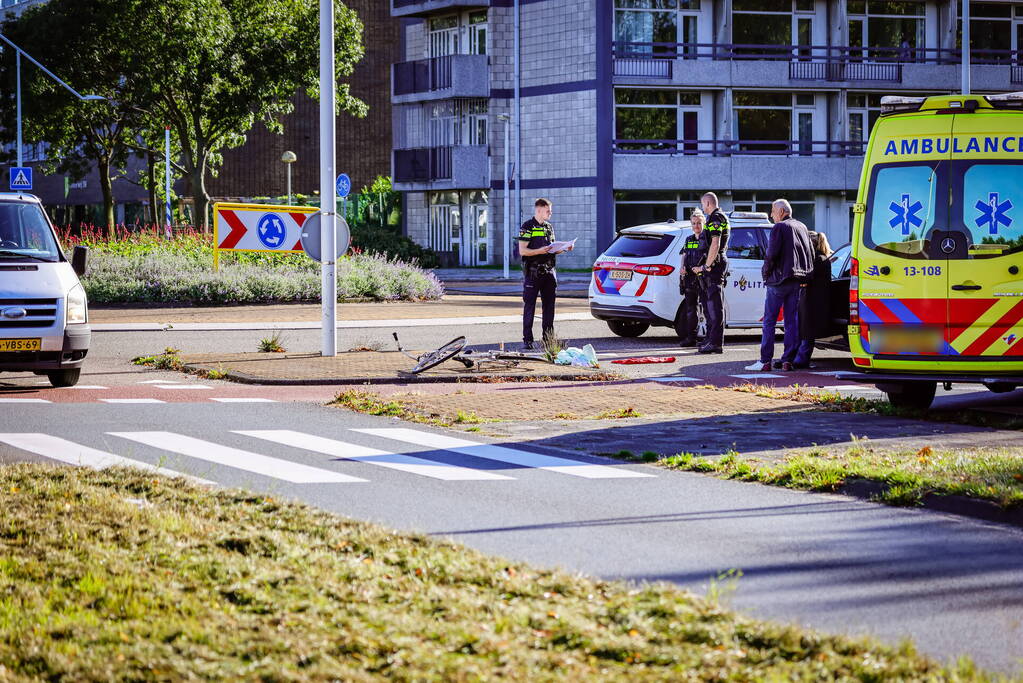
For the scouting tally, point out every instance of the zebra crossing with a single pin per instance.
(433, 458)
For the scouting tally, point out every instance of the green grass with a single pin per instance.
(123, 575)
(909, 475)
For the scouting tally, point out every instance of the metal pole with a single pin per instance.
(507, 199)
(328, 204)
(17, 61)
(966, 47)
(517, 169)
(289, 184)
(167, 180)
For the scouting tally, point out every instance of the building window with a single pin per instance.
(993, 32)
(768, 121)
(898, 25)
(444, 36)
(657, 120)
(445, 233)
(655, 26)
(802, 201)
(773, 22)
(864, 110)
(642, 207)
(444, 123)
(478, 33)
(455, 34)
(465, 234)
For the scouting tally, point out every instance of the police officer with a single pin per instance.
(694, 254)
(713, 273)
(539, 278)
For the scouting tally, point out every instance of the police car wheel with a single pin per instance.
(911, 395)
(627, 328)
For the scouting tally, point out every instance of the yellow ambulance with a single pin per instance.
(936, 289)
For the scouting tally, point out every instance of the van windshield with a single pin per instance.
(990, 206)
(639, 246)
(903, 207)
(25, 233)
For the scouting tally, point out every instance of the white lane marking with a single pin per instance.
(243, 400)
(675, 379)
(23, 400)
(132, 400)
(502, 454)
(372, 456)
(237, 458)
(182, 386)
(87, 386)
(154, 381)
(75, 454)
(757, 375)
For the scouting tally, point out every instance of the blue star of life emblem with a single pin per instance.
(271, 231)
(905, 214)
(993, 213)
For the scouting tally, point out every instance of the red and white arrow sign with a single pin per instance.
(255, 227)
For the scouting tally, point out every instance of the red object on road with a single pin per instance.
(645, 359)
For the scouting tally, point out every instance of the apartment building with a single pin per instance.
(631, 109)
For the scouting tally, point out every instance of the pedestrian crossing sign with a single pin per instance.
(21, 177)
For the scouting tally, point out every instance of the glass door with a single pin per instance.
(444, 36)
(479, 243)
(478, 33)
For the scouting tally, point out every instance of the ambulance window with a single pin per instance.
(992, 205)
(902, 208)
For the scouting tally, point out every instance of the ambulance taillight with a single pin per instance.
(854, 292)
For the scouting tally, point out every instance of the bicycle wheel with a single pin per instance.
(433, 358)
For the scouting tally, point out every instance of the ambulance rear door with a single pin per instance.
(903, 273)
(986, 220)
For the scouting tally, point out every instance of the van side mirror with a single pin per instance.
(79, 259)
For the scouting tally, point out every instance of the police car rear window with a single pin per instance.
(639, 246)
(903, 207)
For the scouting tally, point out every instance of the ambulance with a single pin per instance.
(936, 290)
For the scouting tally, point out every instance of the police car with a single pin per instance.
(635, 282)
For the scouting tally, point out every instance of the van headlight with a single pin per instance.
(77, 306)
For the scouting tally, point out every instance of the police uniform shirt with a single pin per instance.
(694, 251)
(537, 235)
(717, 226)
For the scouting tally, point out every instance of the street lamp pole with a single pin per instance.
(289, 158)
(17, 62)
(506, 248)
(966, 47)
(328, 204)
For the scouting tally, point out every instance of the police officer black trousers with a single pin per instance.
(713, 305)
(546, 287)
(691, 298)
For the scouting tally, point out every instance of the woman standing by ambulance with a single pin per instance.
(814, 301)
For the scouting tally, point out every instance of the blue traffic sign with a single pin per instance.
(21, 177)
(271, 231)
(343, 185)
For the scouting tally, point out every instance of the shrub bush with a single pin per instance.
(143, 267)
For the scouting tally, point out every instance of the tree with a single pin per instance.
(216, 67)
(80, 42)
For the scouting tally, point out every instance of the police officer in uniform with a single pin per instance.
(694, 254)
(714, 272)
(539, 278)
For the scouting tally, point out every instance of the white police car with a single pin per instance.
(635, 283)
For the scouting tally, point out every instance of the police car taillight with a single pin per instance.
(854, 292)
(653, 269)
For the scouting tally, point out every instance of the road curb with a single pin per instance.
(866, 489)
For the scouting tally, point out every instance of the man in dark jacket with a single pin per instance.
(787, 265)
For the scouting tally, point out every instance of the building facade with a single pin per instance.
(631, 109)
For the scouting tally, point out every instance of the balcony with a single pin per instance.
(421, 8)
(737, 65)
(440, 78)
(1017, 75)
(441, 168)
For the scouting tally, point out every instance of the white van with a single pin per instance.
(44, 317)
(635, 282)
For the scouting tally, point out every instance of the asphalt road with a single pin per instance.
(953, 585)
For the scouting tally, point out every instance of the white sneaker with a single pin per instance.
(758, 367)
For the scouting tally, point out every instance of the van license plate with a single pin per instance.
(20, 344)
(906, 339)
(621, 274)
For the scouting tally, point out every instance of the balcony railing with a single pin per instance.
(422, 75)
(424, 164)
(1017, 75)
(723, 148)
(845, 71)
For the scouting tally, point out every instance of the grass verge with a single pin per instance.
(372, 404)
(908, 476)
(120, 575)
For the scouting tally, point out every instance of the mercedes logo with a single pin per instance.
(948, 245)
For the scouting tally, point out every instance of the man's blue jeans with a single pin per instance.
(785, 295)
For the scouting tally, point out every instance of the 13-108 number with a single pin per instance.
(922, 270)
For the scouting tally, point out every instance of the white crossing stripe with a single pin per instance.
(243, 400)
(182, 386)
(75, 454)
(23, 400)
(87, 386)
(237, 458)
(757, 375)
(675, 379)
(503, 454)
(132, 400)
(154, 381)
(829, 373)
(372, 456)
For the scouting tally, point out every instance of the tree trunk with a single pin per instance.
(106, 186)
(200, 199)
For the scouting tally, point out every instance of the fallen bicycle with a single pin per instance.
(473, 360)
